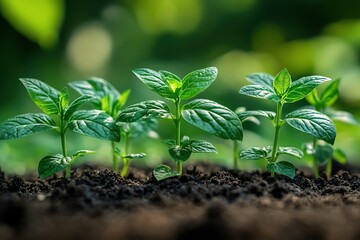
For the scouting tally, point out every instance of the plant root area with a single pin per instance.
(207, 202)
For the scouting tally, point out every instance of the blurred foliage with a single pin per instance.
(58, 41)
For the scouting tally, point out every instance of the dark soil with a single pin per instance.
(207, 202)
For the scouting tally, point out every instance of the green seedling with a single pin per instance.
(319, 152)
(93, 123)
(205, 114)
(282, 90)
(107, 98)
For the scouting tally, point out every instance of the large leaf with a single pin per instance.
(330, 94)
(44, 96)
(154, 81)
(342, 116)
(50, 165)
(146, 109)
(262, 79)
(268, 114)
(70, 109)
(282, 167)
(25, 124)
(259, 91)
(314, 123)
(302, 87)
(213, 118)
(295, 152)
(282, 82)
(256, 153)
(162, 172)
(201, 146)
(196, 82)
(94, 123)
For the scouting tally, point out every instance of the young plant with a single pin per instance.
(202, 113)
(320, 152)
(107, 98)
(93, 123)
(282, 90)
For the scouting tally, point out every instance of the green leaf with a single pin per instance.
(139, 128)
(154, 81)
(50, 165)
(167, 76)
(262, 79)
(330, 94)
(342, 116)
(339, 155)
(282, 83)
(180, 153)
(162, 172)
(169, 142)
(295, 152)
(256, 153)
(196, 82)
(283, 168)
(44, 96)
(135, 155)
(201, 146)
(94, 123)
(121, 100)
(81, 153)
(313, 98)
(268, 114)
(173, 81)
(314, 123)
(64, 98)
(213, 118)
(259, 91)
(74, 105)
(146, 109)
(302, 87)
(323, 153)
(25, 124)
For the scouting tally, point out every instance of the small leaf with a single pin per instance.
(139, 128)
(330, 94)
(213, 118)
(162, 172)
(173, 81)
(180, 153)
(121, 101)
(282, 83)
(283, 168)
(81, 153)
(323, 152)
(94, 123)
(50, 165)
(259, 91)
(74, 105)
(314, 123)
(196, 82)
(268, 114)
(44, 96)
(262, 79)
(295, 152)
(339, 155)
(313, 98)
(256, 153)
(154, 81)
(200, 146)
(135, 155)
(146, 109)
(64, 98)
(302, 87)
(342, 116)
(25, 124)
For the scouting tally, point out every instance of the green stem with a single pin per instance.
(126, 160)
(63, 146)
(329, 167)
(114, 156)
(235, 154)
(178, 131)
(277, 130)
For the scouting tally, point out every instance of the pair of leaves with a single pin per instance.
(205, 114)
(328, 96)
(50, 165)
(93, 123)
(281, 88)
(170, 86)
(256, 153)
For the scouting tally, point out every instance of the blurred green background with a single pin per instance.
(59, 41)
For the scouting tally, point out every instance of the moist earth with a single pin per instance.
(207, 202)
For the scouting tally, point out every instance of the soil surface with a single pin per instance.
(207, 202)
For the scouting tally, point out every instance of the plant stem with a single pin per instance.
(63, 146)
(126, 160)
(235, 154)
(329, 167)
(277, 130)
(114, 156)
(178, 131)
